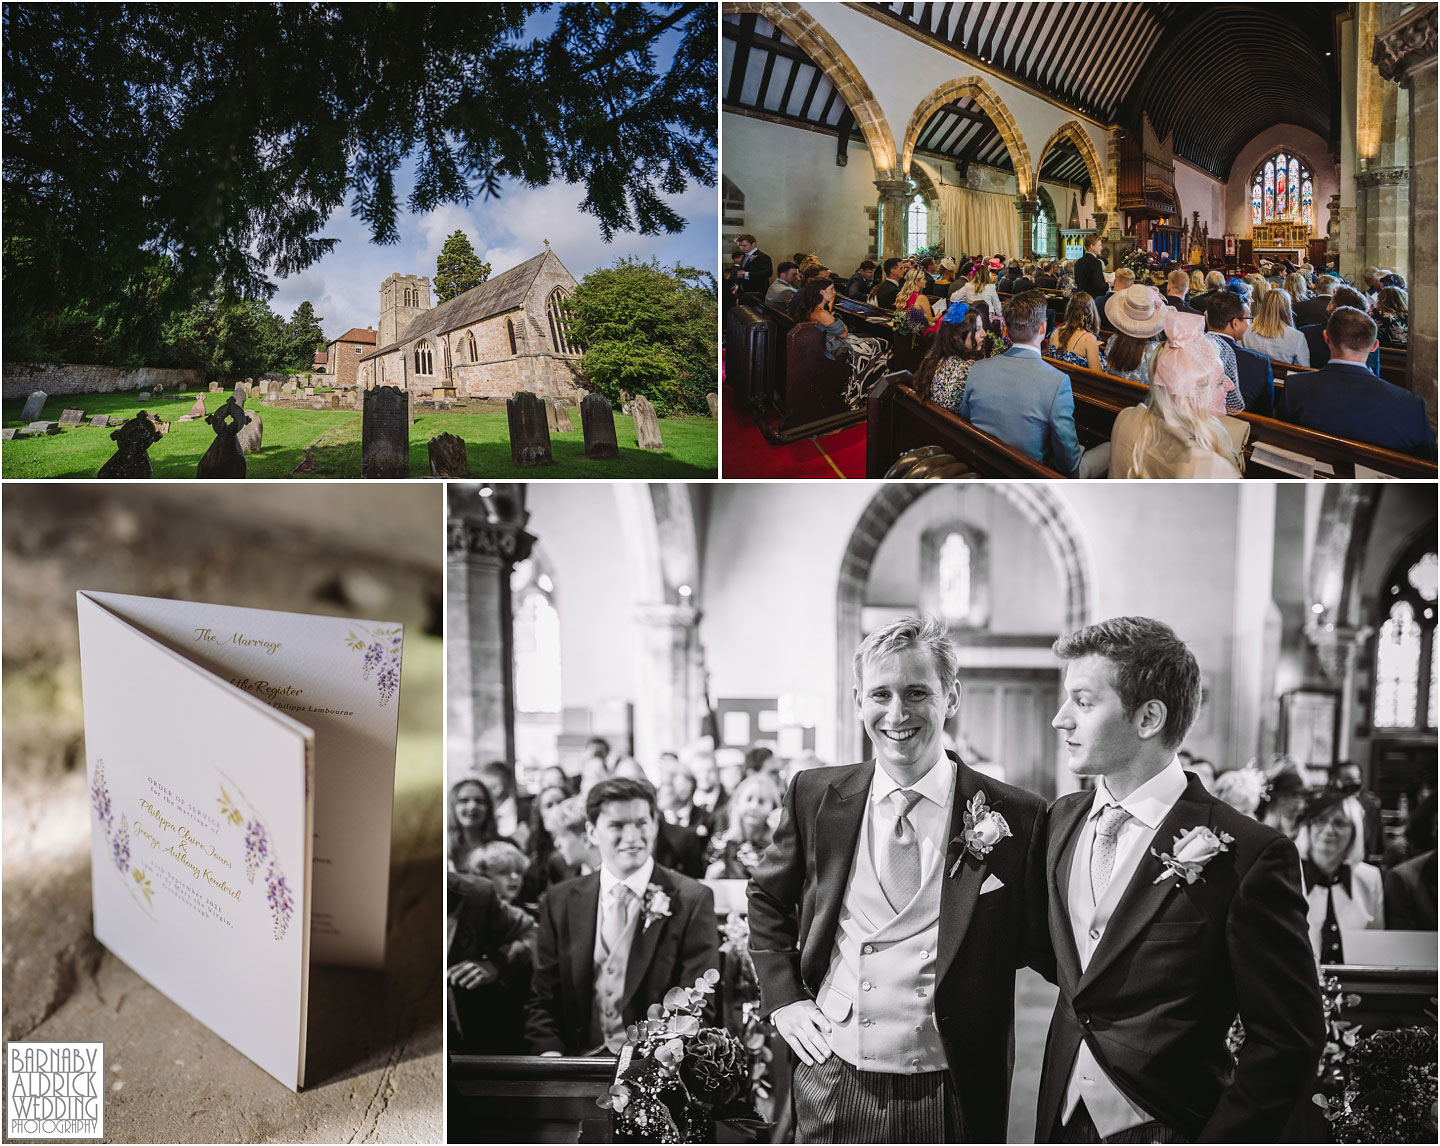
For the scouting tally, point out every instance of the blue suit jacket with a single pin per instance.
(1257, 380)
(1346, 399)
(1021, 399)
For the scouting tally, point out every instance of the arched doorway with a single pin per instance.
(1010, 671)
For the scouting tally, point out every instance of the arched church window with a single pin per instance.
(559, 334)
(424, 359)
(955, 574)
(470, 348)
(510, 333)
(1282, 190)
(917, 225)
(537, 638)
(1405, 646)
(954, 578)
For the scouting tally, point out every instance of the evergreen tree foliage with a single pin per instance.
(303, 337)
(458, 268)
(648, 330)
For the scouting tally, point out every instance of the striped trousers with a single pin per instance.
(836, 1102)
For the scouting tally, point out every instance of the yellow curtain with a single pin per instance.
(979, 222)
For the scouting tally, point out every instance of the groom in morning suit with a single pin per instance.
(615, 941)
(1153, 967)
(884, 945)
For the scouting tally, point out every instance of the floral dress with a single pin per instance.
(1069, 356)
(948, 385)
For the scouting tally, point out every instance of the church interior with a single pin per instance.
(717, 622)
(1249, 140)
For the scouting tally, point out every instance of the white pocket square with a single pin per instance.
(992, 884)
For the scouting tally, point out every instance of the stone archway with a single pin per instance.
(990, 103)
(1044, 510)
(1078, 136)
(840, 70)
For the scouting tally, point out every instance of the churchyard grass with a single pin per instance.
(332, 438)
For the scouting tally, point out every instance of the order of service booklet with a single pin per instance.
(241, 768)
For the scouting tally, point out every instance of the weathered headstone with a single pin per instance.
(335, 399)
(36, 429)
(597, 419)
(163, 427)
(144, 395)
(33, 406)
(72, 417)
(225, 458)
(272, 388)
(159, 389)
(251, 433)
(647, 425)
(447, 457)
(385, 434)
(133, 441)
(562, 417)
(8, 434)
(552, 420)
(100, 420)
(625, 399)
(214, 387)
(240, 393)
(529, 429)
(713, 401)
(197, 410)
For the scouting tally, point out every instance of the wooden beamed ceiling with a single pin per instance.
(765, 71)
(1214, 74)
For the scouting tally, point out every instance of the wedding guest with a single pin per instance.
(980, 288)
(1089, 270)
(1177, 286)
(1137, 314)
(503, 864)
(684, 811)
(1180, 432)
(1284, 799)
(1315, 308)
(1342, 890)
(752, 804)
(883, 294)
(868, 357)
(470, 821)
(1242, 789)
(787, 281)
(612, 943)
(487, 967)
(709, 795)
(512, 811)
(731, 763)
(1392, 317)
(572, 840)
(1273, 333)
(1077, 339)
(861, 281)
(1227, 318)
(755, 268)
(959, 343)
(912, 295)
(1346, 777)
(546, 864)
(554, 776)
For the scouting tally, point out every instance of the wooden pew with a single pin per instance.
(1394, 362)
(899, 420)
(750, 357)
(1100, 397)
(521, 1098)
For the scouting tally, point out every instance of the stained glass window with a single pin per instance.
(954, 581)
(1405, 695)
(1282, 192)
(1280, 185)
(1307, 204)
(537, 640)
(1269, 191)
(1294, 188)
(1256, 201)
(917, 225)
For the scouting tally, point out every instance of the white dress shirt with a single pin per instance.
(636, 881)
(1148, 806)
(930, 817)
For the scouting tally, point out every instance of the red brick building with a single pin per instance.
(344, 353)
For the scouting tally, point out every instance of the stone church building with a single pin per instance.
(505, 335)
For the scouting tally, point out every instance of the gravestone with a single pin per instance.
(225, 458)
(159, 390)
(100, 420)
(144, 395)
(33, 406)
(240, 393)
(310, 390)
(529, 429)
(385, 433)
(713, 401)
(447, 457)
(197, 410)
(562, 417)
(72, 417)
(36, 429)
(597, 419)
(163, 427)
(214, 387)
(625, 399)
(133, 441)
(552, 420)
(7, 435)
(272, 389)
(647, 425)
(335, 399)
(251, 433)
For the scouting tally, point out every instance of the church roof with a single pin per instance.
(356, 334)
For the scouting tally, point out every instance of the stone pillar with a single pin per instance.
(668, 685)
(1250, 687)
(1028, 209)
(485, 537)
(894, 198)
(1404, 51)
(1348, 244)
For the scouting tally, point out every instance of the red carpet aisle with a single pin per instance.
(746, 454)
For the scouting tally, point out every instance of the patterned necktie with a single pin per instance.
(1332, 950)
(1102, 855)
(900, 857)
(617, 912)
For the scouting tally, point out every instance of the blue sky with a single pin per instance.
(344, 286)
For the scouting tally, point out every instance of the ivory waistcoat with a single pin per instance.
(610, 982)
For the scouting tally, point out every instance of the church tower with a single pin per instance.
(402, 297)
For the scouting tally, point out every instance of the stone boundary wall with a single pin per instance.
(21, 379)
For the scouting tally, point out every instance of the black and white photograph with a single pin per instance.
(938, 812)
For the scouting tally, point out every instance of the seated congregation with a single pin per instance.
(1295, 364)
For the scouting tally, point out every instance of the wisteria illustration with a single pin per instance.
(382, 657)
(117, 841)
(120, 847)
(281, 903)
(260, 857)
(257, 848)
(100, 798)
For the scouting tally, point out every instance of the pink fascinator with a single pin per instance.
(1188, 365)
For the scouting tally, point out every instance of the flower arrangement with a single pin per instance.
(1142, 262)
(744, 988)
(1389, 1090)
(675, 1078)
(911, 322)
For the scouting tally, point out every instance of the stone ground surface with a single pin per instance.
(375, 1039)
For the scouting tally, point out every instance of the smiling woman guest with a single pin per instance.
(471, 821)
(752, 807)
(1342, 890)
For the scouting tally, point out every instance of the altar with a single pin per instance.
(1282, 240)
(1295, 255)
